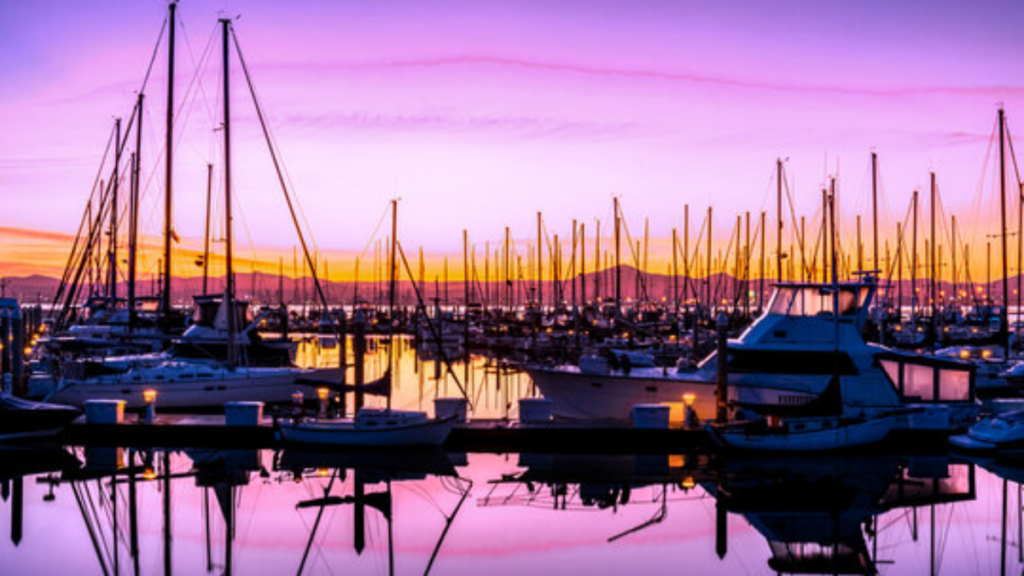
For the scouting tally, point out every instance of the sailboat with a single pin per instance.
(201, 384)
(373, 426)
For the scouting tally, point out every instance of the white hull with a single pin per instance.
(578, 395)
(269, 385)
(346, 433)
(839, 438)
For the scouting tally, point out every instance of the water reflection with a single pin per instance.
(119, 511)
(493, 385)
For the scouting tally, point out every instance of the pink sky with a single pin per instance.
(479, 115)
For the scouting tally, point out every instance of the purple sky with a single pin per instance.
(480, 114)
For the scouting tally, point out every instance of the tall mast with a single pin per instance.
(760, 289)
(229, 288)
(952, 252)
(391, 287)
(933, 290)
(874, 210)
(112, 245)
(597, 262)
(686, 251)
(675, 272)
(1002, 212)
(206, 234)
(165, 295)
(778, 221)
(707, 270)
(133, 213)
(540, 263)
(618, 254)
(913, 262)
(583, 264)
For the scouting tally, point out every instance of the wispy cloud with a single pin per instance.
(650, 74)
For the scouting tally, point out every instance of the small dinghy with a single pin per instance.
(802, 434)
(371, 427)
(25, 419)
(1002, 433)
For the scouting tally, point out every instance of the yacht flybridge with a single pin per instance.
(783, 364)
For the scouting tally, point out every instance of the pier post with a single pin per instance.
(722, 383)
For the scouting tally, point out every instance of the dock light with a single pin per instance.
(688, 398)
(899, 328)
(688, 483)
(323, 472)
(945, 328)
(28, 350)
(965, 354)
(323, 394)
(986, 354)
(297, 401)
(149, 411)
(974, 330)
(149, 473)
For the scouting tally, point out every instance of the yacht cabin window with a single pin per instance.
(817, 300)
(928, 381)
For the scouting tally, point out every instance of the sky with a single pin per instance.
(479, 115)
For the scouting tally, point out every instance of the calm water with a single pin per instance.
(492, 385)
(257, 512)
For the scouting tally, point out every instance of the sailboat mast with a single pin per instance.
(229, 288)
(1005, 329)
(112, 240)
(540, 264)
(133, 213)
(165, 295)
(874, 210)
(206, 234)
(618, 255)
(392, 263)
(778, 222)
(933, 290)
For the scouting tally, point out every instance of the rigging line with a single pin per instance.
(272, 145)
(373, 235)
(196, 65)
(431, 325)
(277, 168)
(81, 226)
(152, 58)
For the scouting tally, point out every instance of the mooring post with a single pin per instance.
(722, 387)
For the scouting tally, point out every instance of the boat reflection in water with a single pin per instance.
(115, 511)
(819, 513)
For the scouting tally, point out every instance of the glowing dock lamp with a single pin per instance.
(690, 418)
(323, 472)
(149, 410)
(323, 394)
(986, 354)
(965, 354)
(687, 483)
(149, 473)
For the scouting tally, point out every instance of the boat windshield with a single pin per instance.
(817, 300)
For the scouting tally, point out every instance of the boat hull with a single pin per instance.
(578, 395)
(833, 439)
(345, 433)
(248, 385)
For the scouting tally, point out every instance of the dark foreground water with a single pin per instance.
(113, 511)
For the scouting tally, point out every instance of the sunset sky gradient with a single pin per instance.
(480, 114)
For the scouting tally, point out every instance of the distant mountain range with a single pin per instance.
(264, 288)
